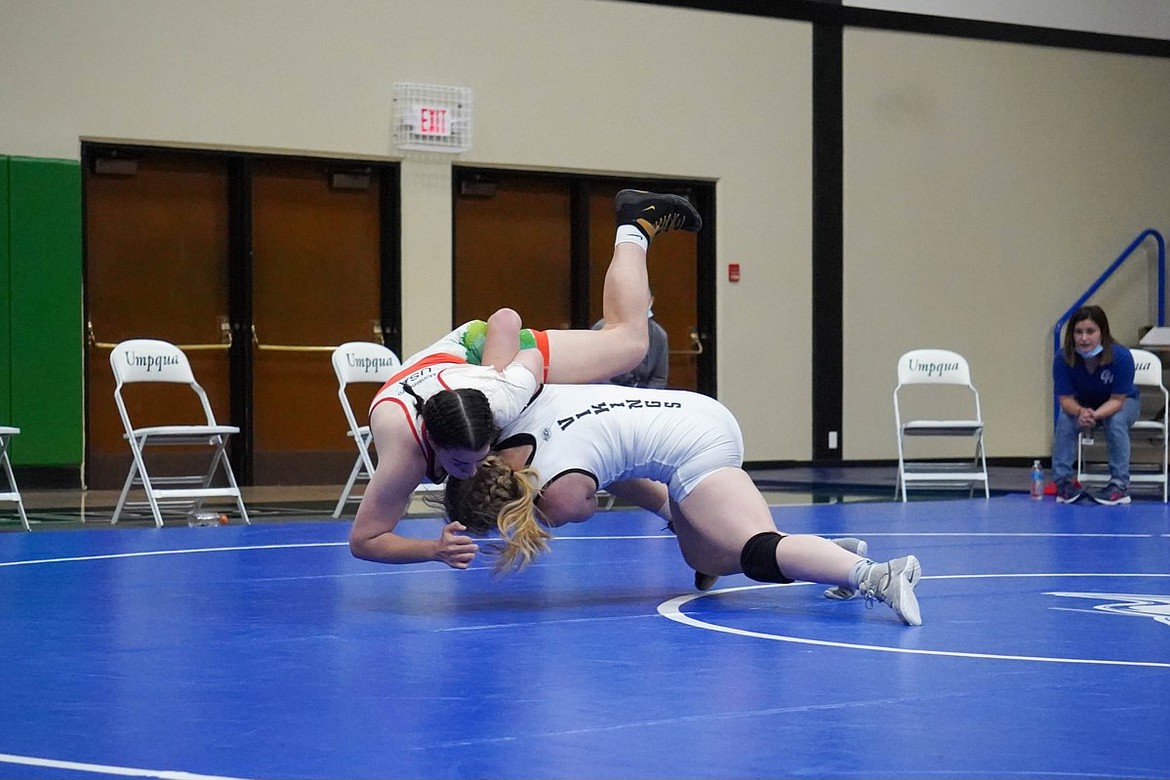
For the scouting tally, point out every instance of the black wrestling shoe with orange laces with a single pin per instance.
(654, 213)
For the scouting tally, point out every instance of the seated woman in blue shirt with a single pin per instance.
(1093, 381)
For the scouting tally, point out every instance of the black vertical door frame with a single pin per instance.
(390, 207)
(827, 241)
(579, 260)
(240, 315)
(705, 283)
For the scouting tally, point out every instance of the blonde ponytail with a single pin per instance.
(523, 536)
(500, 498)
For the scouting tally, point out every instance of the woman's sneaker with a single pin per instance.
(1111, 495)
(1068, 491)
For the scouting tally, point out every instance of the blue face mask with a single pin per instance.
(1094, 352)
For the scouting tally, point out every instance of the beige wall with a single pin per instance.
(559, 84)
(986, 184)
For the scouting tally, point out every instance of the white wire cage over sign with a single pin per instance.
(432, 118)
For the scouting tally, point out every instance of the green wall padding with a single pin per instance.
(5, 303)
(45, 310)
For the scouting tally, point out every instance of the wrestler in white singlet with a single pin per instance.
(614, 433)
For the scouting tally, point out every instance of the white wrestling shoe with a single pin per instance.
(857, 547)
(893, 583)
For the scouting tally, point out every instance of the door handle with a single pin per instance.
(696, 345)
(92, 340)
(289, 347)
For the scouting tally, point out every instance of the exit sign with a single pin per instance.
(432, 118)
(432, 121)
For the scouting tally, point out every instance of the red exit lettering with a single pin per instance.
(432, 121)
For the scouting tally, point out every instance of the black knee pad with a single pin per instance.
(758, 558)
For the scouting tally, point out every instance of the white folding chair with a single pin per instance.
(935, 369)
(360, 362)
(152, 361)
(12, 493)
(1148, 434)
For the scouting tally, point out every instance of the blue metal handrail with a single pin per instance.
(1129, 250)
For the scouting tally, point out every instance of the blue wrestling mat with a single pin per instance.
(267, 651)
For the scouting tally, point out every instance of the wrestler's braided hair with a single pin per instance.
(498, 497)
(457, 419)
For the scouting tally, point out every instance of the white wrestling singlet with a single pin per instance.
(613, 433)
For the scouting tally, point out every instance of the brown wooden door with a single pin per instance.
(156, 234)
(524, 241)
(512, 248)
(315, 284)
(283, 256)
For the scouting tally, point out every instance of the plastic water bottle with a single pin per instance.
(1037, 480)
(204, 519)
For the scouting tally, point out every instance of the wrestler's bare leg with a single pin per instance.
(716, 521)
(726, 509)
(582, 356)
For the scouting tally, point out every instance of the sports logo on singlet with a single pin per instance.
(426, 372)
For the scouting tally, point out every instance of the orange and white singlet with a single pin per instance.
(444, 366)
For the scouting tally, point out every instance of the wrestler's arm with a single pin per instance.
(569, 498)
(400, 469)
